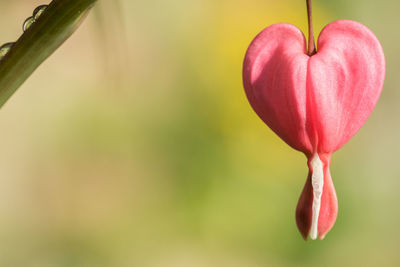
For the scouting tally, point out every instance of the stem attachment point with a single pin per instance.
(311, 42)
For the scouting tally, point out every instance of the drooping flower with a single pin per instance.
(315, 102)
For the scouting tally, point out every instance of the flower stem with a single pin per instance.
(60, 19)
(311, 42)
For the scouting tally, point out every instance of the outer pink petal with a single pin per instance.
(345, 81)
(274, 76)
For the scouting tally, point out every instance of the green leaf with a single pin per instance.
(60, 19)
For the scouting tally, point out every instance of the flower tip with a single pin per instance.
(322, 237)
(314, 236)
(317, 207)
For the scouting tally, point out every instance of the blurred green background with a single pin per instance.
(134, 145)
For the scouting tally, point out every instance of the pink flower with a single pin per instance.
(315, 103)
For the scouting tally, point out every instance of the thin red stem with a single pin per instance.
(311, 42)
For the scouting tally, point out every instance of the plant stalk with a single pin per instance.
(311, 42)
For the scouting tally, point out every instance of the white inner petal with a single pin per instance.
(317, 181)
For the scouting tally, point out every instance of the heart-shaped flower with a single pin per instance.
(315, 103)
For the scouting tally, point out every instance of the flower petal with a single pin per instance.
(345, 80)
(274, 77)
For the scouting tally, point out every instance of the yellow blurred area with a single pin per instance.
(134, 145)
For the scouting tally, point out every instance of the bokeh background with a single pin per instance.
(134, 145)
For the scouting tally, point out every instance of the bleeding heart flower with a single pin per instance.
(315, 101)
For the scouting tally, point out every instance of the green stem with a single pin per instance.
(55, 25)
